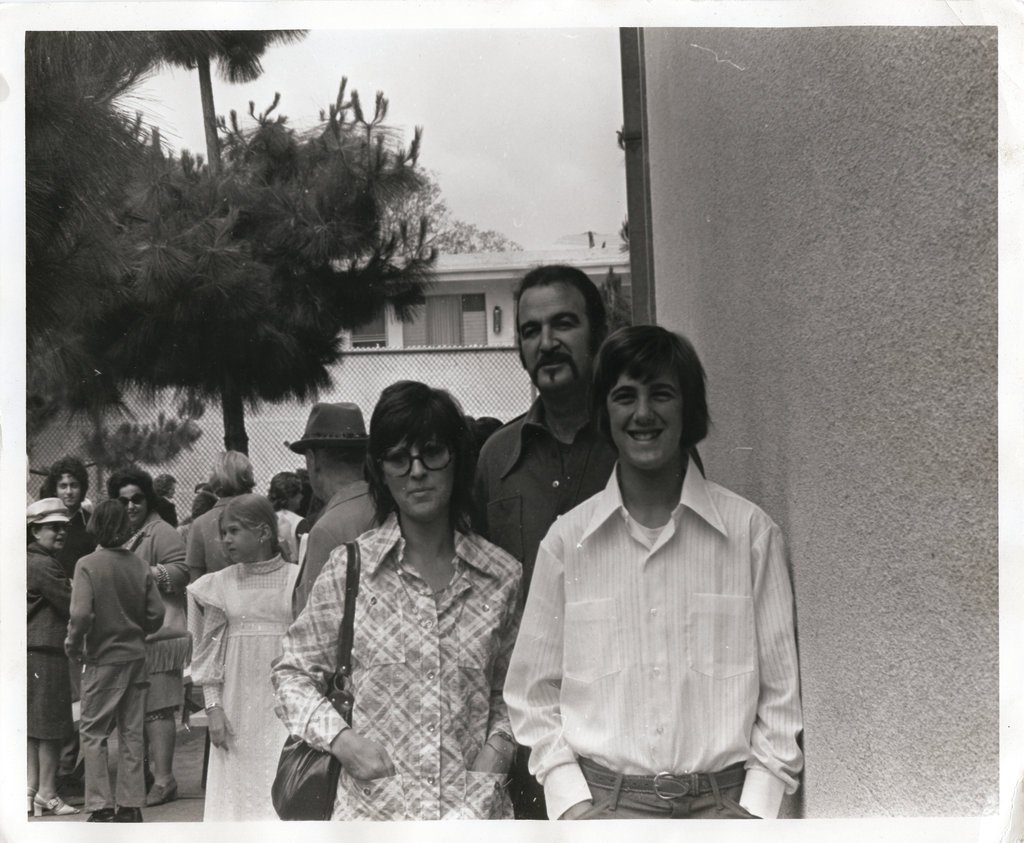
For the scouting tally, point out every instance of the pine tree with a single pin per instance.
(80, 150)
(242, 283)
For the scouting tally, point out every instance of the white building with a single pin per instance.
(470, 303)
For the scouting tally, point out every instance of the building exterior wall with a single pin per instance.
(824, 230)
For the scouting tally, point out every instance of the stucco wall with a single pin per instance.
(824, 230)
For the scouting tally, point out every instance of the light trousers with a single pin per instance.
(113, 695)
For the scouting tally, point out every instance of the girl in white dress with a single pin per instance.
(237, 617)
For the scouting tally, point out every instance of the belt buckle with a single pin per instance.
(668, 786)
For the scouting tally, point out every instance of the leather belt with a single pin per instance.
(667, 786)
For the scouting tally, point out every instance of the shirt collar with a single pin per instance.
(534, 418)
(533, 424)
(695, 495)
(388, 537)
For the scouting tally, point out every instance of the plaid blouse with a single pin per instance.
(427, 676)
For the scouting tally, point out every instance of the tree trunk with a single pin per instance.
(209, 115)
(233, 410)
(96, 419)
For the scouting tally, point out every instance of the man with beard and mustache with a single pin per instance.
(542, 464)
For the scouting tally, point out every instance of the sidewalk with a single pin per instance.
(188, 770)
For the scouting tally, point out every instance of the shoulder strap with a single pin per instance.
(348, 621)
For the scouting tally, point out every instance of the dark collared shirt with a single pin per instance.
(526, 478)
(77, 543)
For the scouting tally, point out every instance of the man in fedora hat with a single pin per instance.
(334, 445)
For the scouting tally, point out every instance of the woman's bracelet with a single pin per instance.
(212, 706)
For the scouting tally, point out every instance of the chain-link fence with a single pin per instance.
(486, 381)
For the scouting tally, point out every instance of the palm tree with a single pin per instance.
(237, 53)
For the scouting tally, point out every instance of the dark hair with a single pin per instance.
(65, 465)
(163, 483)
(560, 273)
(284, 485)
(413, 413)
(203, 502)
(642, 352)
(307, 490)
(483, 428)
(109, 524)
(132, 475)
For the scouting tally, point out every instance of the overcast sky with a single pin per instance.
(520, 125)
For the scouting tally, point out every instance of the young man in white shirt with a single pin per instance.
(655, 673)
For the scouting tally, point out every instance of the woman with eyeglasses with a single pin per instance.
(49, 721)
(435, 621)
(168, 649)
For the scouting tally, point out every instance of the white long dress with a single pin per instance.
(237, 617)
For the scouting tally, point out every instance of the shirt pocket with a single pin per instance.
(485, 798)
(505, 524)
(477, 628)
(592, 649)
(376, 799)
(721, 635)
(378, 637)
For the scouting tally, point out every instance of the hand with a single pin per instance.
(362, 758)
(219, 727)
(578, 809)
(71, 652)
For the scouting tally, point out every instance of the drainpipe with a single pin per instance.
(638, 173)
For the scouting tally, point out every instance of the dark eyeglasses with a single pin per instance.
(136, 499)
(398, 463)
(57, 527)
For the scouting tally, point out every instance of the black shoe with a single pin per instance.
(103, 815)
(128, 815)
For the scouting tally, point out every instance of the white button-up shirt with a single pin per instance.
(660, 651)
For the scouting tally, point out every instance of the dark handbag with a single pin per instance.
(307, 779)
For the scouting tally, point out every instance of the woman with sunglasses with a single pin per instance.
(168, 649)
(435, 621)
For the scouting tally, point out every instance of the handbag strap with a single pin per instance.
(348, 621)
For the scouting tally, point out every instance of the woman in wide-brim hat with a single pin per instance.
(49, 721)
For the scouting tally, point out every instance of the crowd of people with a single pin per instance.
(562, 618)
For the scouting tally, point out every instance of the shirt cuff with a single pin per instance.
(325, 724)
(565, 786)
(212, 695)
(762, 793)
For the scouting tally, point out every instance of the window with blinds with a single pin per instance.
(459, 320)
(371, 335)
